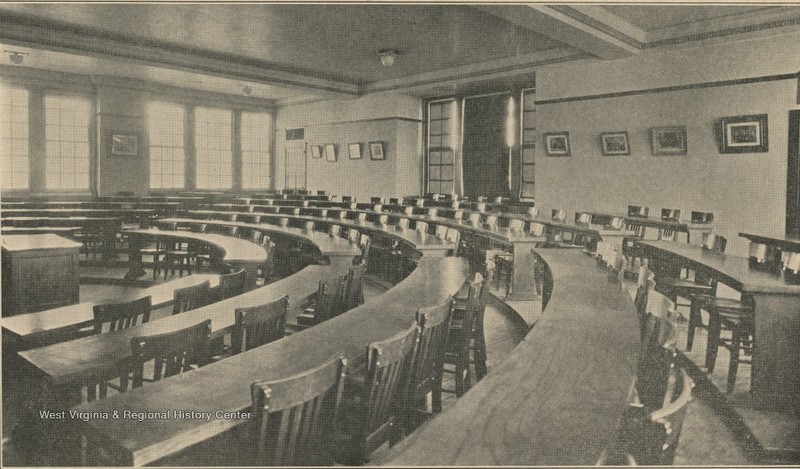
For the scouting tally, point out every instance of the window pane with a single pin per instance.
(165, 123)
(256, 132)
(67, 124)
(14, 137)
(213, 129)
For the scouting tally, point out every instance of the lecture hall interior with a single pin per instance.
(248, 234)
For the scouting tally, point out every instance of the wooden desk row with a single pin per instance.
(225, 385)
(27, 331)
(775, 375)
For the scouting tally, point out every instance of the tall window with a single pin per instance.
(528, 144)
(440, 146)
(213, 129)
(14, 137)
(167, 155)
(67, 122)
(255, 150)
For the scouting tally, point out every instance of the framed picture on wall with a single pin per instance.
(557, 144)
(124, 144)
(614, 143)
(355, 151)
(743, 134)
(316, 151)
(376, 151)
(330, 152)
(668, 140)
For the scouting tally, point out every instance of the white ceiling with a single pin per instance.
(296, 52)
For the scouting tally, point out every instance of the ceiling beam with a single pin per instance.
(588, 28)
(80, 41)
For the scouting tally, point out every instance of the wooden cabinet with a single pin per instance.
(39, 272)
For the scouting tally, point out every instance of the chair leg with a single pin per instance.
(436, 397)
(695, 320)
(714, 330)
(733, 366)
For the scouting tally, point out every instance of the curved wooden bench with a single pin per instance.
(557, 398)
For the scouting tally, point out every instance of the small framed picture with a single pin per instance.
(668, 140)
(316, 151)
(614, 143)
(376, 151)
(330, 152)
(743, 134)
(124, 144)
(557, 144)
(355, 151)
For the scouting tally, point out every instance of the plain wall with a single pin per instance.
(393, 119)
(745, 191)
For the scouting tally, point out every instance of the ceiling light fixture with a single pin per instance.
(16, 57)
(387, 56)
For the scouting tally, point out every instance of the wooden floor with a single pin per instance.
(710, 436)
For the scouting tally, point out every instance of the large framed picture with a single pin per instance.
(376, 151)
(355, 151)
(316, 151)
(330, 152)
(557, 144)
(124, 144)
(668, 140)
(743, 134)
(614, 143)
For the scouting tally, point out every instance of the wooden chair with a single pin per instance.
(656, 360)
(171, 352)
(157, 252)
(426, 370)
(232, 284)
(354, 293)
(374, 413)
(259, 325)
(650, 438)
(120, 316)
(267, 268)
(190, 298)
(327, 303)
(179, 256)
(364, 243)
(256, 236)
(421, 227)
(402, 223)
(335, 231)
(459, 339)
(296, 416)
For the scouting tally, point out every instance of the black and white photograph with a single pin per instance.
(407, 234)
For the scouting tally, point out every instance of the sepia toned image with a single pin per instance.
(400, 234)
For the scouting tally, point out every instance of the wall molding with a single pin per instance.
(666, 89)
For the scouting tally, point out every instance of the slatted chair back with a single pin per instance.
(658, 438)
(172, 352)
(232, 284)
(362, 216)
(792, 262)
(403, 223)
(481, 206)
(421, 227)
(329, 299)
(459, 337)
(516, 224)
(364, 244)
(388, 363)
(383, 219)
(537, 229)
(296, 211)
(342, 214)
(334, 231)
(474, 218)
(453, 235)
(259, 325)
(670, 214)
(354, 287)
(491, 221)
(323, 212)
(638, 211)
(426, 370)
(120, 316)
(377, 208)
(189, 298)
(558, 215)
(714, 242)
(458, 215)
(256, 236)
(533, 212)
(433, 212)
(409, 210)
(283, 221)
(441, 231)
(455, 203)
(308, 226)
(702, 217)
(656, 360)
(353, 236)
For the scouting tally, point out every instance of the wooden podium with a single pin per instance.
(39, 272)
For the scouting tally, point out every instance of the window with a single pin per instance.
(256, 133)
(167, 155)
(440, 146)
(14, 137)
(213, 128)
(528, 139)
(67, 155)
